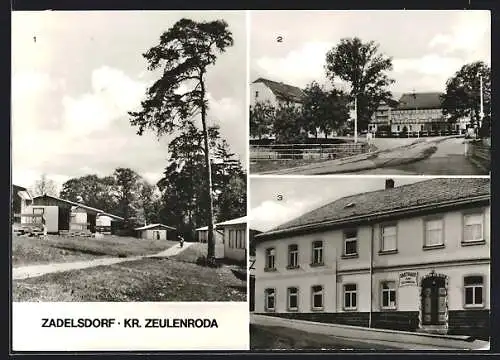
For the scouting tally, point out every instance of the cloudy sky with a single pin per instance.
(76, 74)
(300, 195)
(427, 47)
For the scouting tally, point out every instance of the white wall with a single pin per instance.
(51, 215)
(103, 220)
(265, 94)
(151, 234)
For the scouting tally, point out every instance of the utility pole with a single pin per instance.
(481, 113)
(356, 119)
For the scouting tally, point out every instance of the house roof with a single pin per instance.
(429, 192)
(428, 100)
(99, 211)
(19, 188)
(152, 226)
(237, 221)
(283, 91)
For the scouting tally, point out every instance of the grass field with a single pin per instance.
(148, 279)
(31, 251)
(280, 338)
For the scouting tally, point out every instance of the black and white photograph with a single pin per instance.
(129, 156)
(370, 263)
(370, 92)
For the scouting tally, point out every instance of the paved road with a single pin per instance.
(24, 272)
(449, 159)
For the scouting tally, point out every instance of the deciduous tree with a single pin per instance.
(365, 69)
(462, 96)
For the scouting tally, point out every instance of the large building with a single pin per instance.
(413, 257)
(415, 114)
(275, 93)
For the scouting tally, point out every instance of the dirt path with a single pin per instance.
(25, 272)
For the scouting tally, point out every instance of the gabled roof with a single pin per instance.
(99, 211)
(412, 101)
(18, 188)
(152, 226)
(283, 91)
(432, 192)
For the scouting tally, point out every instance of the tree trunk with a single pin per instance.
(210, 242)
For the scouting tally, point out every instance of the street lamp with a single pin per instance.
(355, 118)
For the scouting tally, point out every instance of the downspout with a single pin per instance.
(371, 276)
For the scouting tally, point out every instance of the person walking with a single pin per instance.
(181, 240)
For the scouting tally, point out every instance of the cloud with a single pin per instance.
(113, 93)
(299, 66)
(432, 64)
(270, 214)
(467, 34)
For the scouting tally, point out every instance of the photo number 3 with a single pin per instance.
(279, 197)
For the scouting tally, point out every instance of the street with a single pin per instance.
(412, 156)
(448, 159)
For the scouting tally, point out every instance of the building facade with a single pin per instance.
(414, 257)
(419, 113)
(415, 114)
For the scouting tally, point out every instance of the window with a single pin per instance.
(269, 297)
(433, 233)
(270, 255)
(473, 287)
(293, 298)
(317, 252)
(38, 211)
(389, 238)
(293, 256)
(473, 228)
(388, 292)
(350, 301)
(243, 239)
(350, 242)
(317, 297)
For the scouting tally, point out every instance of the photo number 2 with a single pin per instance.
(279, 39)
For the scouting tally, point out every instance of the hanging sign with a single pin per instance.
(408, 278)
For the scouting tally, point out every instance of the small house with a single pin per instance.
(156, 232)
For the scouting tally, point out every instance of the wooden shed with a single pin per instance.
(156, 232)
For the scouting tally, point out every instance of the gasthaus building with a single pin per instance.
(413, 257)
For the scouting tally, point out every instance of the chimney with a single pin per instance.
(389, 184)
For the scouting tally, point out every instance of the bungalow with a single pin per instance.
(63, 215)
(156, 232)
(235, 238)
(413, 257)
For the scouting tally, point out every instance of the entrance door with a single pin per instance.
(434, 301)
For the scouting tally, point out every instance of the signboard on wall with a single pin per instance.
(408, 278)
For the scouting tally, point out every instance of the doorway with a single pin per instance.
(434, 303)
